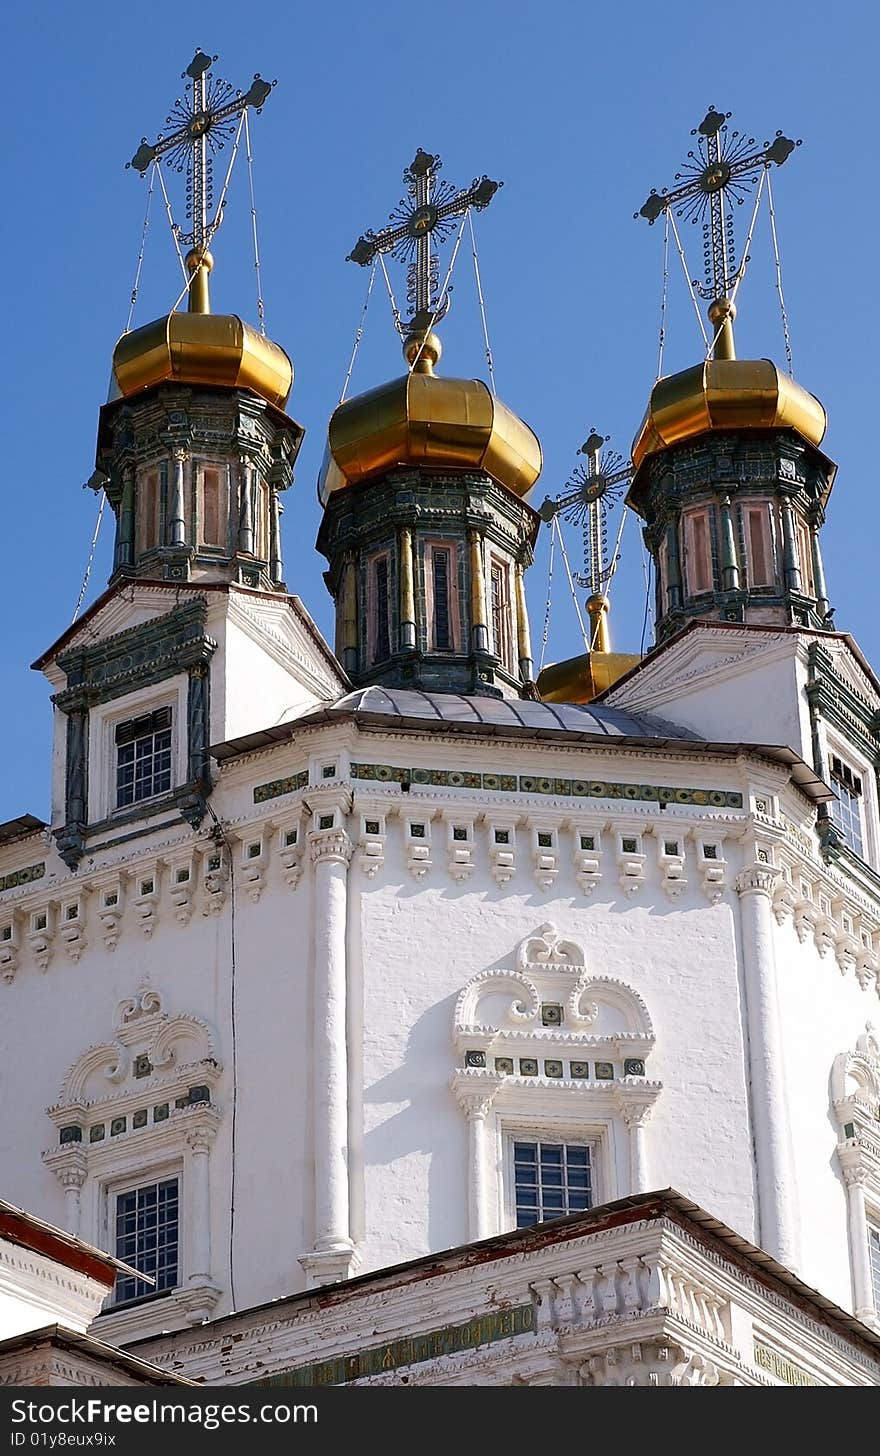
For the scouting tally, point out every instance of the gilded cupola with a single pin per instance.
(728, 474)
(200, 347)
(426, 528)
(423, 419)
(194, 446)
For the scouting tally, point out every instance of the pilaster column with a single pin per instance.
(198, 725)
(199, 1140)
(476, 1093)
(854, 1177)
(729, 567)
(523, 637)
(479, 625)
(823, 606)
(68, 1163)
(176, 512)
(407, 591)
(776, 1231)
(276, 511)
(124, 553)
(76, 803)
(332, 1256)
(72, 1180)
(636, 1115)
(673, 569)
(789, 550)
(246, 508)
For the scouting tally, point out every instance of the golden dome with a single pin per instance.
(726, 394)
(581, 679)
(202, 348)
(423, 420)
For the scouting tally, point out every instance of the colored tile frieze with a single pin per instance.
(277, 787)
(483, 1329)
(527, 784)
(22, 877)
(384, 773)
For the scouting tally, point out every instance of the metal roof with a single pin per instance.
(594, 724)
(19, 828)
(454, 709)
(665, 1202)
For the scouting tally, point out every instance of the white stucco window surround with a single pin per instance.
(844, 766)
(855, 1099)
(417, 841)
(103, 721)
(372, 835)
(459, 843)
(631, 860)
(135, 1110)
(550, 1051)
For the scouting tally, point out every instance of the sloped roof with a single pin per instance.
(457, 710)
(407, 710)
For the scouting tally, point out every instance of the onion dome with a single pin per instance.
(429, 422)
(200, 347)
(726, 394)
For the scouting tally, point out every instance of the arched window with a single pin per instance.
(136, 1121)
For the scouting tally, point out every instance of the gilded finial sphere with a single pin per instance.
(422, 351)
(195, 259)
(721, 309)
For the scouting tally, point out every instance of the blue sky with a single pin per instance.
(579, 109)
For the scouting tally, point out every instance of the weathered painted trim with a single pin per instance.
(483, 1329)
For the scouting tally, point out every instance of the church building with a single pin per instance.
(409, 1015)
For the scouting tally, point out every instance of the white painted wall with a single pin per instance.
(412, 944)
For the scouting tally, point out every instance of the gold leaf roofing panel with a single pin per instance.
(425, 420)
(726, 394)
(202, 348)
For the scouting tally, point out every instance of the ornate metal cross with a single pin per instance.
(725, 165)
(202, 123)
(424, 214)
(584, 501)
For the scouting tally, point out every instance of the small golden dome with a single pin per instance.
(726, 394)
(423, 420)
(202, 348)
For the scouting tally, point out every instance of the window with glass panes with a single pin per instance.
(148, 1238)
(442, 620)
(874, 1255)
(499, 609)
(551, 1179)
(381, 635)
(847, 810)
(143, 757)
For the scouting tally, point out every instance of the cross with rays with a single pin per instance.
(424, 215)
(202, 123)
(585, 498)
(724, 167)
